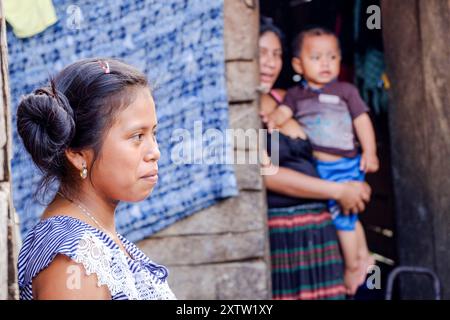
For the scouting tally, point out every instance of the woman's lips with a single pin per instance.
(152, 178)
(266, 78)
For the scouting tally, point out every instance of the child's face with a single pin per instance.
(319, 61)
(127, 166)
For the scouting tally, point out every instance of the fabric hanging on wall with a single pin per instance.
(179, 45)
(29, 17)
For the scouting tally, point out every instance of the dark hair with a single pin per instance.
(75, 111)
(297, 44)
(267, 25)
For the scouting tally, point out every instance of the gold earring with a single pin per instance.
(83, 172)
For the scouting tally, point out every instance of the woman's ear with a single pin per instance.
(297, 65)
(79, 159)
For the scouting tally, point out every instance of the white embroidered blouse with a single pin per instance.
(133, 277)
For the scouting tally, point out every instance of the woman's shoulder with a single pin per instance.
(48, 238)
(272, 99)
(280, 92)
(54, 230)
(65, 279)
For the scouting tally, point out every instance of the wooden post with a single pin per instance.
(8, 226)
(417, 37)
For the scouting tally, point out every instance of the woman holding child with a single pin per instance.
(305, 255)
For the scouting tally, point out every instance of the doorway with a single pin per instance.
(362, 65)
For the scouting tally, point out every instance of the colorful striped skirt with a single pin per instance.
(305, 256)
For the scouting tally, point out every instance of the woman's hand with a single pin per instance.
(353, 196)
(267, 121)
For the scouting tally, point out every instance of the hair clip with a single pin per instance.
(104, 65)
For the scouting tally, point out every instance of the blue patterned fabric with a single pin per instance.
(179, 45)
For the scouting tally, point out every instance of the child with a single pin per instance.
(331, 113)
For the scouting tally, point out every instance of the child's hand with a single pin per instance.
(267, 120)
(277, 118)
(369, 162)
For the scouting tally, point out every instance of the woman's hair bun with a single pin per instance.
(45, 122)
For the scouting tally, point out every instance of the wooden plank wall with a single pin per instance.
(222, 252)
(417, 37)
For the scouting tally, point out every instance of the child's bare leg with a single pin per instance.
(364, 255)
(349, 245)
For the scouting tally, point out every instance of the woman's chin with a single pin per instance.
(265, 87)
(147, 194)
(139, 196)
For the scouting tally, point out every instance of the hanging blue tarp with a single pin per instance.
(179, 45)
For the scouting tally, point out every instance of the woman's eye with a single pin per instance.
(138, 137)
(315, 57)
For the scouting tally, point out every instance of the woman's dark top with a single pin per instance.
(295, 154)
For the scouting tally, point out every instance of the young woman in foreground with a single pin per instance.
(93, 131)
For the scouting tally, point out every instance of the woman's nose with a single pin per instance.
(267, 60)
(152, 153)
(271, 61)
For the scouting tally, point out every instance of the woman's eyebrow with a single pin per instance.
(140, 127)
(136, 127)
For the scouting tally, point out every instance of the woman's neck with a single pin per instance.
(101, 209)
(97, 209)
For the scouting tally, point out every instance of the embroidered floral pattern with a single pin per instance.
(112, 269)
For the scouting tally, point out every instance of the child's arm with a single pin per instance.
(278, 117)
(366, 136)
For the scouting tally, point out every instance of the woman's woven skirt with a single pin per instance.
(305, 255)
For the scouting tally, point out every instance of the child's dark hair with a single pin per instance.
(75, 111)
(267, 25)
(297, 44)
